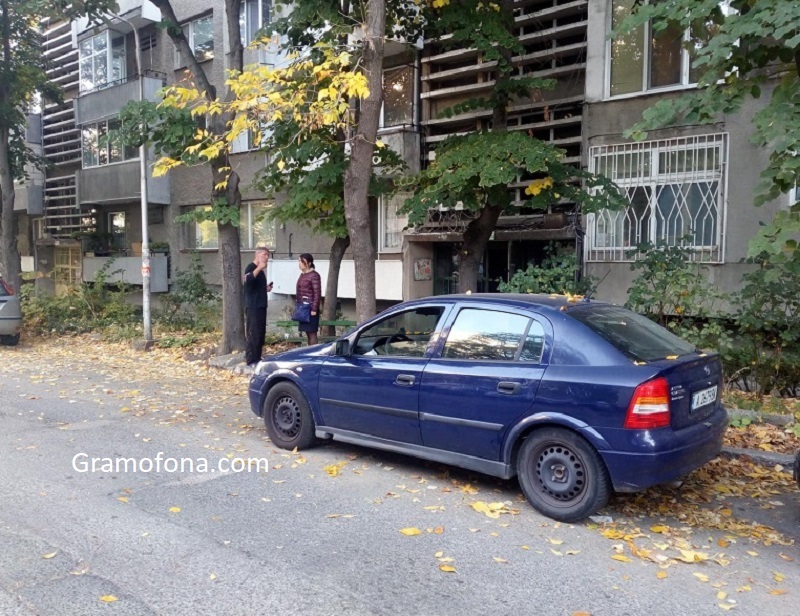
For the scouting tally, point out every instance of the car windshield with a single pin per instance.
(632, 334)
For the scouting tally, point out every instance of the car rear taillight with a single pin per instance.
(649, 407)
(7, 287)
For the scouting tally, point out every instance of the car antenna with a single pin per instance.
(591, 292)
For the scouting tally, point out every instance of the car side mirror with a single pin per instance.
(342, 348)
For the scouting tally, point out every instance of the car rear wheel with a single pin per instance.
(10, 340)
(562, 475)
(288, 418)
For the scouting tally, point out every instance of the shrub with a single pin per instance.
(557, 273)
(191, 304)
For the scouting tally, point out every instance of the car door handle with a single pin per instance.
(404, 379)
(508, 387)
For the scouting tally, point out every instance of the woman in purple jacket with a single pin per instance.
(309, 289)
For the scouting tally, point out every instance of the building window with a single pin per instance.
(255, 228)
(102, 145)
(255, 14)
(200, 36)
(398, 97)
(391, 224)
(102, 60)
(645, 59)
(677, 194)
(116, 228)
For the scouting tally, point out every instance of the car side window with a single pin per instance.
(494, 335)
(403, 334)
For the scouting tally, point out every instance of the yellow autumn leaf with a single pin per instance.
(621, 558)
(744, 588)
(661, 574)
(212, 577)
(122, 499)
(778, 591)
(174, 509)
(49, 556)
(497, 559)
(556, 541)
(778, 577)
(660, 528)
(108, 599)
(447, 568)
(701, 576)
(691, 556)
(410, 532)
(726, 606)
(752, 552)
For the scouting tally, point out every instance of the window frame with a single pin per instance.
(109, 58)
(124, 151)
(384, 203)
(251, 244)
(188, 28)
(244, 19)
(655, 181)
(382, 121)
(686, 81)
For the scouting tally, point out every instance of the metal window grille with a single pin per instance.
(677, 190)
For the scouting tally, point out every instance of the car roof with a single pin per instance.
(522, 300)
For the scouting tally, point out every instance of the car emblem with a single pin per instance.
(707, 370)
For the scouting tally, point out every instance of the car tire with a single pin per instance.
(10, 340)
(288, 417)
(562, 475)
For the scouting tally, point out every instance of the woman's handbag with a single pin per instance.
(302, 312)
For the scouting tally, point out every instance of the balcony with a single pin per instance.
(404, 140)
(107, 101)
(139, 13)
(29, 199)
(119, 183)
(128, 270)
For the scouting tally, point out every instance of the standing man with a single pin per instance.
(255, 305)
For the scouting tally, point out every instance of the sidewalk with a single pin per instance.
(235, 363)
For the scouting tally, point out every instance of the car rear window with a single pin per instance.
(630, 333)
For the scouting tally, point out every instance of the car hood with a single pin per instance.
(301, 353)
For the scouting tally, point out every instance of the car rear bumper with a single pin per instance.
(10, 326)
(672, 453)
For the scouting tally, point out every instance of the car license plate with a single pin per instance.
(703, 397)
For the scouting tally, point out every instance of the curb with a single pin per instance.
(764, 458)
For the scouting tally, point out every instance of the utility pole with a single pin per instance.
(146, 323)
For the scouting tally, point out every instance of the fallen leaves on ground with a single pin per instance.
(763, 437)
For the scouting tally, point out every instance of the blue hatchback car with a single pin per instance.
(575, 398)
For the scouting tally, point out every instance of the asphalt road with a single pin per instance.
(320, 532)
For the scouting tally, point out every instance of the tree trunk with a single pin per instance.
(229, 247)
(9, 253)
(338, 249)
(9, 258)
(476, 238)
(231, 260)
(357, 176)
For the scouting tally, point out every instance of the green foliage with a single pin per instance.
(751, 53)
(557, 273)
(191, 304)
(674, 292)
(474, 170)
(84, 308)
(740, 422)
(768, 316)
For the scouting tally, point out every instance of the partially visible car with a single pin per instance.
(575, 398)
(10, 314)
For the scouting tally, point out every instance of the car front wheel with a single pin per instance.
(288, 418)
(562, 475)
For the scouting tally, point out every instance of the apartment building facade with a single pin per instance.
(683, 180)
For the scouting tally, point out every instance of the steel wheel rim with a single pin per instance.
(560, 473)
(286, 417)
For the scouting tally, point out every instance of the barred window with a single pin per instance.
(676, 189)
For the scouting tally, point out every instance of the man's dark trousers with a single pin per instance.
(256, 326)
